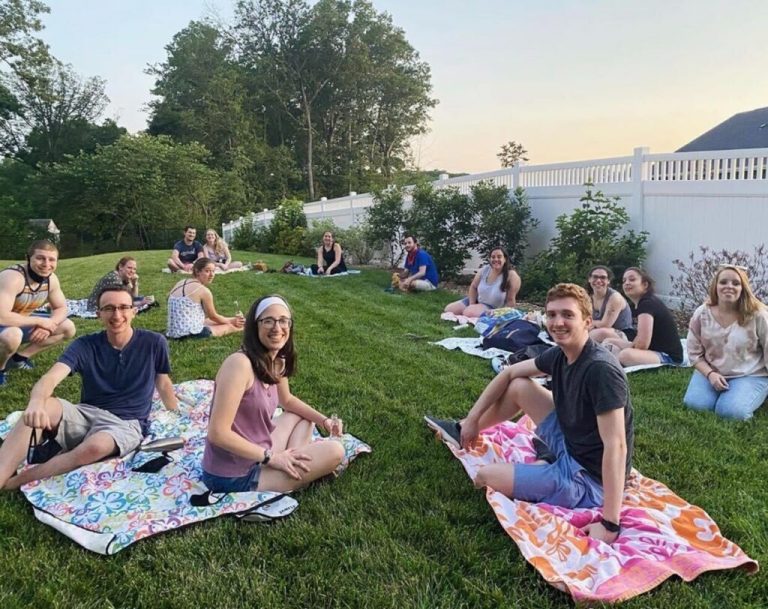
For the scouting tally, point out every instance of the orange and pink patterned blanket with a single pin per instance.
(662, 535)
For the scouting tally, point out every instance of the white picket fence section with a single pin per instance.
(684, 200)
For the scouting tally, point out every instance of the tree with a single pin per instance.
(19, 20)
(131, 188)
(511, 153)
(50, 98)
(296, 50)
(383, 225)
(501, 220)
(443, 221)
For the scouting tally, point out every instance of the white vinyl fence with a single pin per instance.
(684, 200)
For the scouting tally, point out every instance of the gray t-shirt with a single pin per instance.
(595, 383)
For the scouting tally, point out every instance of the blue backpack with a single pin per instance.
(513, 336)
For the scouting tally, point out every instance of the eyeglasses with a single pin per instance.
(109, 309)
(599, 277)
(269, 322)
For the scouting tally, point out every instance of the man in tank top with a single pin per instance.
(23, 289)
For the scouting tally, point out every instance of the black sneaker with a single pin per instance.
(449, 429)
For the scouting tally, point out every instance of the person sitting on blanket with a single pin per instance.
(728, 346)
(420, 274)
(654, 338)
(23, 289)
(585, 423)
(185, 251)
(216, 249)
(120, 368)
(611, 315)
(330, 257)
(125, 274)
(191, 312)
(493, 286)
(246, 449)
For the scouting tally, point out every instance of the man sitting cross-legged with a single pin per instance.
(585, 422)
(120, 367)
(23, 289)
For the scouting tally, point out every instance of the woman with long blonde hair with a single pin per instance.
(216, 249)
(727, 344)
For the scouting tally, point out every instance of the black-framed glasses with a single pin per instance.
(599, 277)
(269, 322)
(109, 309)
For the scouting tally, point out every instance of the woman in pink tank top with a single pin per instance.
(246, 449)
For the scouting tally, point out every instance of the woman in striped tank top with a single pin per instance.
(246, 449)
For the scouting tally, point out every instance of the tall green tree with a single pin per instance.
(203, 96)
(51, 99)
(133, 187)
(19, 22)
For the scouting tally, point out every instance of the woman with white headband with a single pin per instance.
(246, 449)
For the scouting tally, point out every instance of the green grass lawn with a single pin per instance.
(403, 527)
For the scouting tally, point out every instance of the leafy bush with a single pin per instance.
(253, 237)
(443, 221)
(313, 236)
(691, 284)
(356, 246)
(383, 225)
(501, 220)
(593, 234)
(288, 227)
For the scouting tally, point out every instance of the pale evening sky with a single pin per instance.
(571, 80)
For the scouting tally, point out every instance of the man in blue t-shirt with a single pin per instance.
(185, 251)
(584, 425)
(120, 369)
(420, 274)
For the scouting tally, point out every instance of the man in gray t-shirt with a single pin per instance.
(584, 425)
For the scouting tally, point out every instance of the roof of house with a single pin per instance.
(743, 130)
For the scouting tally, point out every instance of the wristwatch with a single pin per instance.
(267, 457)
(609, 526)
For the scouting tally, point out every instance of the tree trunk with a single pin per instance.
(310, 146)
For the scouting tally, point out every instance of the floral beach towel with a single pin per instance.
(106, 506)
(662, 535)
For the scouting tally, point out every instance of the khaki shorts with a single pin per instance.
(79, 421)
(422, 285)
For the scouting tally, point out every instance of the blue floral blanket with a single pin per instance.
(106, 506)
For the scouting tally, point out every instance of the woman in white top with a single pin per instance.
(217, 250)
(728, 345)
(495, 285)
(191, 313)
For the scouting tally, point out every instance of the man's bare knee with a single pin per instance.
(67, 329)
(95, 448)
(10, 339)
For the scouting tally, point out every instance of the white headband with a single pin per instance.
(268, 302)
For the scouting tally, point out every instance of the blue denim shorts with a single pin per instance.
(665, 358)
(241, 484)
(565, 482)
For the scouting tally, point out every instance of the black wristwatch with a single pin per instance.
(609, 526)
(267, 457)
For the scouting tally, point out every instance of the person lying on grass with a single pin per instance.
(493, 286)
(25, 288)
(728, 344)
(120, 369)
(191, 312)
(246, 449)
(125, 274)
(584, 425)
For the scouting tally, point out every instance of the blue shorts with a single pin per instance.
(565, 482)
(241, 484)
(26, 330)
(665, 358)
(465, 302)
